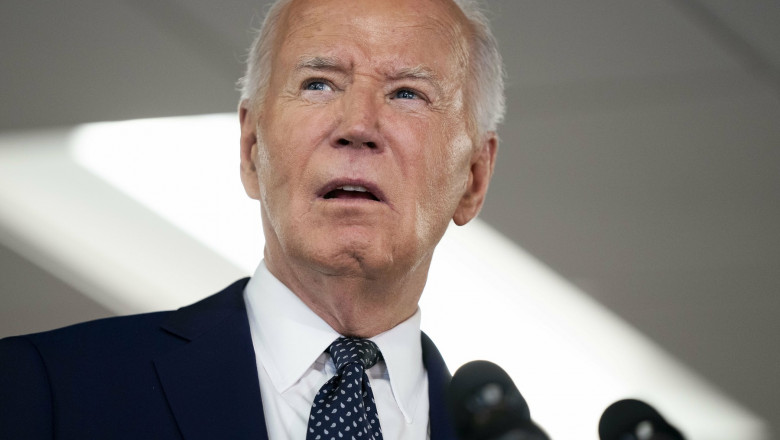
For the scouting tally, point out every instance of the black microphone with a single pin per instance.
(632, 419)
(486, 405)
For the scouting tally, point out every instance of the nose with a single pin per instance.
(358, 121)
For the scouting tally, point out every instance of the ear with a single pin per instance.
(483, 162)
(248, 119)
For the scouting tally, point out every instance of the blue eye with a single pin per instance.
(318, 86)
(405, 94)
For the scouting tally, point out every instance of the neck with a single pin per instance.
(356, 306)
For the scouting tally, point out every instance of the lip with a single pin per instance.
(339, 182)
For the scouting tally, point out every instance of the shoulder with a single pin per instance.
(131, 331)
(101, 376)
(41, 369)
(115, 330)
(122, 339)
(77, 351)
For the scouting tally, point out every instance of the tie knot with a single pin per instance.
(345, 351)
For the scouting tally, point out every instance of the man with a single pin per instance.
(365, 127)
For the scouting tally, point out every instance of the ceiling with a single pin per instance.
(640, 157)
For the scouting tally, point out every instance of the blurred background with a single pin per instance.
(640, 157)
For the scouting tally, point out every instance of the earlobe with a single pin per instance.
(248, 123)
(482, 164)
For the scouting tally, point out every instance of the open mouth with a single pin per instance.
(351, 192)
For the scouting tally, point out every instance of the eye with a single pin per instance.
(405, 94)
(320, 86)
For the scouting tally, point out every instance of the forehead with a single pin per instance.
(405, 32)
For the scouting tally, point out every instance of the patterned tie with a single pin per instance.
(344, 407)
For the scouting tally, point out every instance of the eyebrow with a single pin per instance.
(328, 63)
(419, 72)
(318, 63)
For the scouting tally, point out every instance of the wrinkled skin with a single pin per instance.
(365, 94)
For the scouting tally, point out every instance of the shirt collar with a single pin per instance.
(402, 350)
(281, 318)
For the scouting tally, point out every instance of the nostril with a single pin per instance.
(370, 144)
(343, 141)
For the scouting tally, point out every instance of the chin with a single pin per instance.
(353, 258)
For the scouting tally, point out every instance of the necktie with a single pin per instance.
(344, 407)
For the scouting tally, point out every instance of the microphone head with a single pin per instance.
(486, 404)
(632, 419)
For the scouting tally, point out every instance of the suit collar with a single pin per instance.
(211, 381)
(439, 378)
(191, 321)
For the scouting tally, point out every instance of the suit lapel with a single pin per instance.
(438, 380)
(211, 381)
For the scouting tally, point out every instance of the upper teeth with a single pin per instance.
(353, 188)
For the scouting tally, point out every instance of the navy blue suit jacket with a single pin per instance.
(186, 374)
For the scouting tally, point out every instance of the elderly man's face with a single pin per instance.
(362, 153)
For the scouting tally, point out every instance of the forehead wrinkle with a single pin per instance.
(419, 71)
(303, 18)
(456, 37)
(315, 62)
(300, 17)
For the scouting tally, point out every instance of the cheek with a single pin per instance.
(268, 175)
(447, 166)
(288, 145)
(442, 167)
(266, 178)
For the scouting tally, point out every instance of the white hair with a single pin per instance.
(485, 98)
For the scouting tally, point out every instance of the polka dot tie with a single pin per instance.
(344, 407)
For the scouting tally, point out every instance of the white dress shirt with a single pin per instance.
(290, 342)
